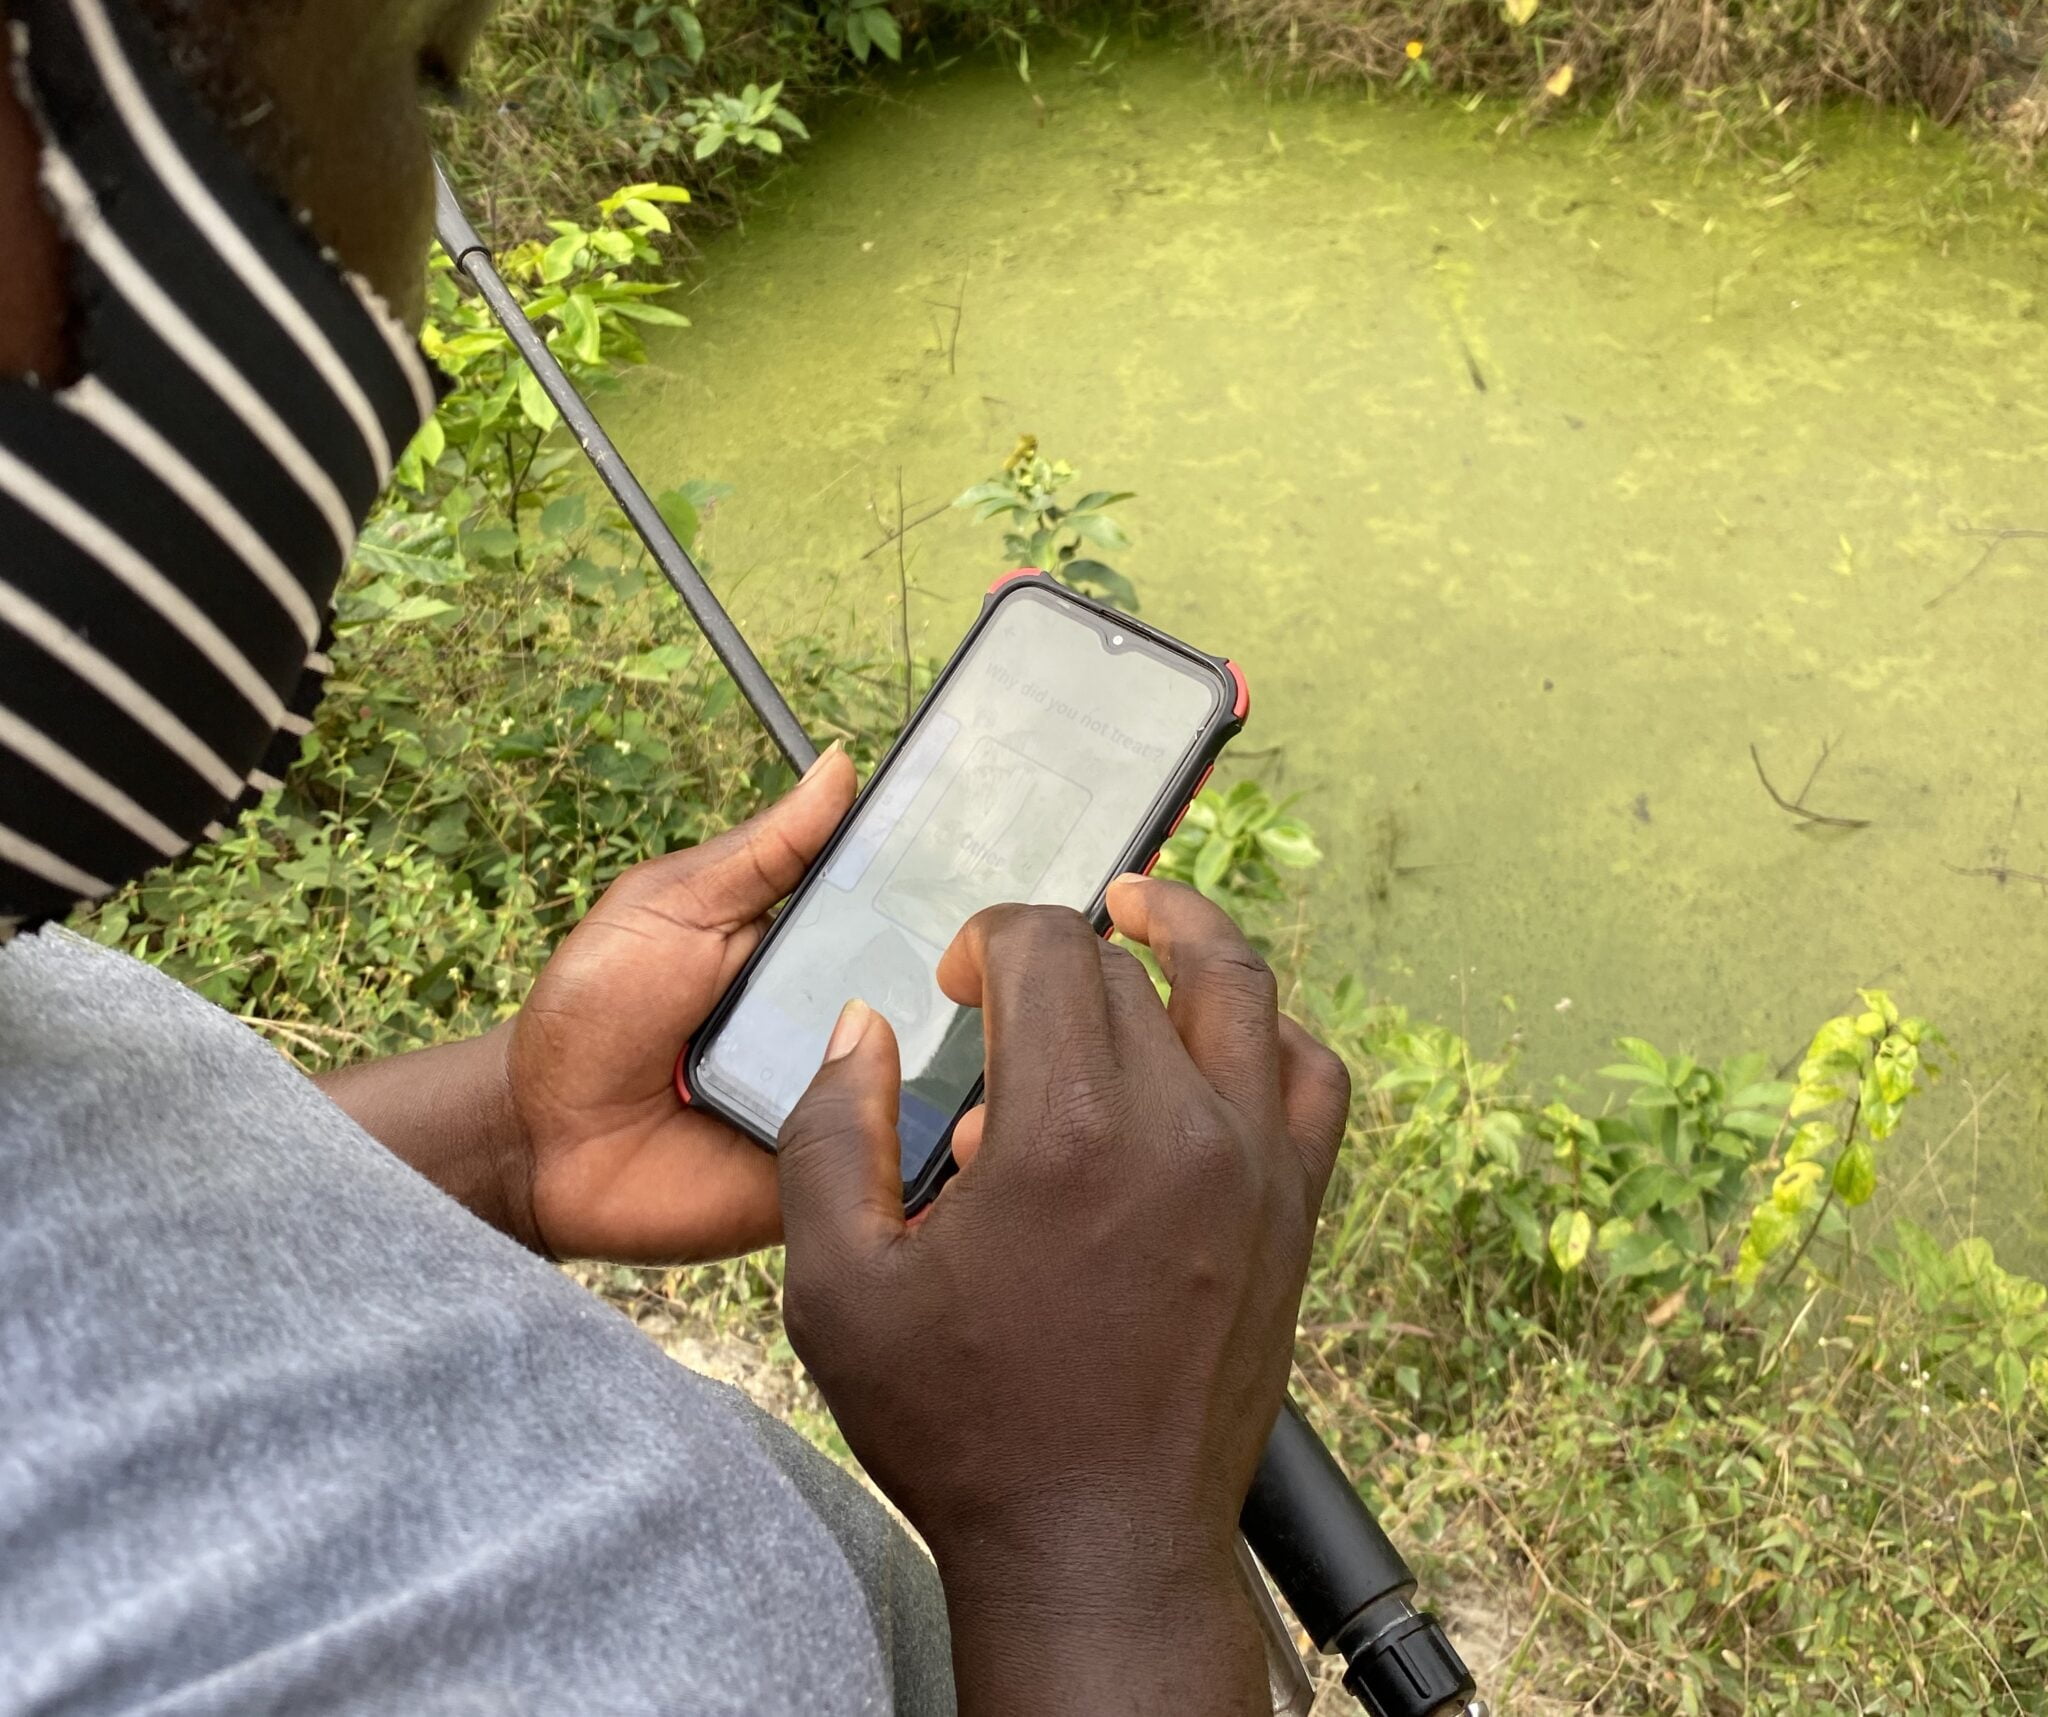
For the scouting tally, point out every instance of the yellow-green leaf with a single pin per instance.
(558, 261)
(1793, 1189)
(1856, 1173)
(1571, 1235)
(534, 402)
(2011, 1373)
(418, 608)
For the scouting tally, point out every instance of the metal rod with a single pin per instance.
(473, 258)
(1289, 1690)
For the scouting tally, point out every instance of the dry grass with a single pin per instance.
(1953, 60)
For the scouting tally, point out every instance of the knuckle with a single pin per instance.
(989, 921)
(1329, 1076)
(1021, 934)
(804, 1123)
(805, 1143)
(1242, 974)
(630, 888)
(1123, 971)
(1204, 1141)
(1053, 926)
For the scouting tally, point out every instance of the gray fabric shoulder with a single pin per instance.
(907, 1603)
(283, 1428)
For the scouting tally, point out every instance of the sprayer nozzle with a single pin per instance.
(1410, 1670)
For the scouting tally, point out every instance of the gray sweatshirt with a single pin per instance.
(283, 1429)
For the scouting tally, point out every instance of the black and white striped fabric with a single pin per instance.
(173, 523)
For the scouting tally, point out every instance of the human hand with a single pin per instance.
(615, 1166)
(1065, 1372)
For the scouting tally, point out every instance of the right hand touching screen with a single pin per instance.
(1064, 1373)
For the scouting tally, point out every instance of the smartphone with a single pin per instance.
(1057, 750)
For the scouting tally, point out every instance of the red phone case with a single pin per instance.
(1141, 854)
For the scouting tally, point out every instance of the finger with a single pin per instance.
(1012, 950)
(1316, 1088)
(740, 874)
(838, 1159)
(1225, 1003)
(966, 1141)
(1131, 998)
(1036, 974)
(965, 1144)
(739, 949)
(1138, 1015)
(685, 1193)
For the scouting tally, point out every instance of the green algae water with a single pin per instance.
(1533, 482)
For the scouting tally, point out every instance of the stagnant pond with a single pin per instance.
(1534, 481)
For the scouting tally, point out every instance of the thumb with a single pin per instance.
(734, 878)
(838, 1158)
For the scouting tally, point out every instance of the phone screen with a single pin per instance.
(1023, 778)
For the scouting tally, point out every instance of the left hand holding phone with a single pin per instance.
(561, 1126)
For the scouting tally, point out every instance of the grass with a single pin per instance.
(1732, 62)
(1813, 1497)
(562, 112)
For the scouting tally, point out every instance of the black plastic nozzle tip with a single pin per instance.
(1410, 1670)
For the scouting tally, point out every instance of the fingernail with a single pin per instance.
(852, 1027)
(824, 757)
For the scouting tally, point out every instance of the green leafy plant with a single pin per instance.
(1857, 1077)
(1707, 1185)
(862, 25)
(1815, 1490)
(1985, 1328)
(1051, 534)
(1234, 845)
(662, 44)
(753, 119)
(484, 464)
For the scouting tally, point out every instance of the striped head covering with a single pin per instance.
(172, 522)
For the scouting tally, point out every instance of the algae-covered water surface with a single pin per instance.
(1534, 482)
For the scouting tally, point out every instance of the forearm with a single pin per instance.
(1099, 1643)
(448, 1112)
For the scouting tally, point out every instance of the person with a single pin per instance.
(295, 1415)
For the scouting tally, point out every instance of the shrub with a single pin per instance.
(1721, 1473)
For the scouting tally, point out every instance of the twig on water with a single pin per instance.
(1998, 870)
(1998, 538)
(1797, 807)
(1999, 873)
(901, 529)
(958, 305)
